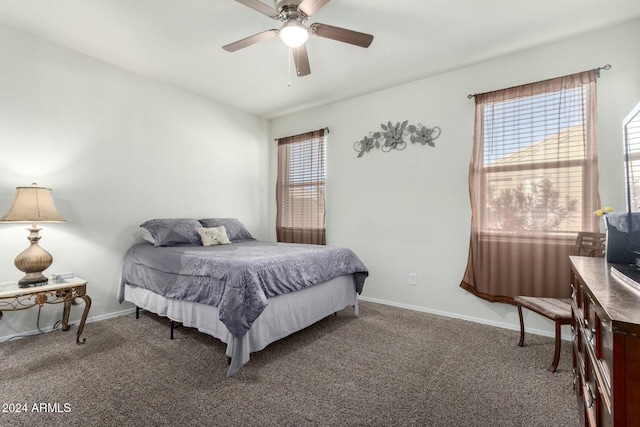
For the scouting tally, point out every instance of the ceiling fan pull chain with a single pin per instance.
(289, 54)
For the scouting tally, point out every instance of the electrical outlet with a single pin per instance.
(413, 279)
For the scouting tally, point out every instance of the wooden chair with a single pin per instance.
(559, 309)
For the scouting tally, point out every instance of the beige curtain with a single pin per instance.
(533, 184)
(300, 189)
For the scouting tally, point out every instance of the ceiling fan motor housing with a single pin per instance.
(288, 9)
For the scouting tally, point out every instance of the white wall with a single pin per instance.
(117, 149)
(408, 211)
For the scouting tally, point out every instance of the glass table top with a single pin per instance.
(8, 289)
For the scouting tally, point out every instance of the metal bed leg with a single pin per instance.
(174, 326)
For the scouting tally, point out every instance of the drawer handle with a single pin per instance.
(574, 292)
(575, 376)
(592, 334)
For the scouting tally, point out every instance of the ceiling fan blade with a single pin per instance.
(301, 60)
(260, 7)
(310, 7)
(256, 38)
(342, 35)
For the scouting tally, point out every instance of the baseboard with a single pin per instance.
(565, 337)
(75, 323)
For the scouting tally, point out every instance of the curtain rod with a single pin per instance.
(604, 67)
(325, 128)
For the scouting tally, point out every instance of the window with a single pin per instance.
(300, 190)
(533, 184)
(536, 162)
(631, 134)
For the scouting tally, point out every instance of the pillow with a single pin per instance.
(147, 237)
(213, 236)
(173, 232)
(235, 229)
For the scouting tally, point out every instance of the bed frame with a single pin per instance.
(284, 315)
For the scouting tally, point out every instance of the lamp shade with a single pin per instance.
(293, 33)
(32, 204)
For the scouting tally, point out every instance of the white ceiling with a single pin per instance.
(180, 41)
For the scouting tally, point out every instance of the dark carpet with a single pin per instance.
(387, 367)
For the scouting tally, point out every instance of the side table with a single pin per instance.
(13, 298)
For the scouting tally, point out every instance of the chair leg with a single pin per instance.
(556, 354)
(521, 343)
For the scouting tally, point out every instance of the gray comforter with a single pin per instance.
(237, 278)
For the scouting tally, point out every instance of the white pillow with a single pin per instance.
(148, 237)
(214, 236)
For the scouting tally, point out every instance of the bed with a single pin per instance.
(211, 274)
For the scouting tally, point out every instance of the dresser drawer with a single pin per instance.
(577, 324)
(598, 411)
(597, 340)
(604, 353)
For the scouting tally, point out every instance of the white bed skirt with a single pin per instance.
(284, 315)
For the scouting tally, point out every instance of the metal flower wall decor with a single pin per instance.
(395, 137)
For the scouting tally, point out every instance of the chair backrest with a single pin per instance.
(590, 244)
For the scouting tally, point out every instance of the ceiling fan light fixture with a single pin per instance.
(293, 33)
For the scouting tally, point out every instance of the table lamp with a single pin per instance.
(32, 205)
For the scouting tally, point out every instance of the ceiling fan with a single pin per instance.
(294, 33)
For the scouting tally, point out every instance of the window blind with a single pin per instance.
(631, 134)
(301, 188)
(536, 157)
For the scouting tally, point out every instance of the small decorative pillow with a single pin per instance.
(147, 237)
(235, 229)
(173, 231)
(213, 236)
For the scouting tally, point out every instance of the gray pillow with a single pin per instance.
(236, 231)
(174, 231)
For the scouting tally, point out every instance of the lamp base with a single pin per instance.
(32, 279)
(33, 261)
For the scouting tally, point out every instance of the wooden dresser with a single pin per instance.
(605, 329)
